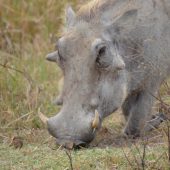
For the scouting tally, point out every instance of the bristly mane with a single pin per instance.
(93, 8)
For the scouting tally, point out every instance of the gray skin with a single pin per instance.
(113, 54)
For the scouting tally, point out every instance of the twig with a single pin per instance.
(168, 135)
(8, 67)
(127, 159)
(17, 120)
(135, 159)
(2, 136)
(68, 153)
(143, 156)
(19, 71)
(136, 147)
(157, 160)
(59, 147)
(159, 99)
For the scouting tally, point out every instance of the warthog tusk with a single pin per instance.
(43, 118)
(96, 120)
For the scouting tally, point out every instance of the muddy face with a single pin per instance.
(90, 65)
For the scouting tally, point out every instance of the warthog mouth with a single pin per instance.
(71, 140)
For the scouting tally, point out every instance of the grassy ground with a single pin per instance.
(109, 151)
(28, 30)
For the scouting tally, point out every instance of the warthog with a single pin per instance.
(113, 54)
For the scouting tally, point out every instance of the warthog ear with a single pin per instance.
(70, 17)
(126, 20)
(121, 25)
(53, 57)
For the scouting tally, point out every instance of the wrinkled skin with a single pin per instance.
(108, 63)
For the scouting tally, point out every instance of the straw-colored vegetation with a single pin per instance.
(28, 30)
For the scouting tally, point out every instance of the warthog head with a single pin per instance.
(93, 72)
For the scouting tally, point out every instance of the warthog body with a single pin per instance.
(114, 54)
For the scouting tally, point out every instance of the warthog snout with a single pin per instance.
(72, 132)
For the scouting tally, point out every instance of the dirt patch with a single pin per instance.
(107, 138)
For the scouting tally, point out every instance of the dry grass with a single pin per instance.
(28, 30)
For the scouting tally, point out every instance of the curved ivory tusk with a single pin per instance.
(96, 120)
(43, 118)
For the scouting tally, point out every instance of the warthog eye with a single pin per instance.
(102, 60)
(102, 51)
